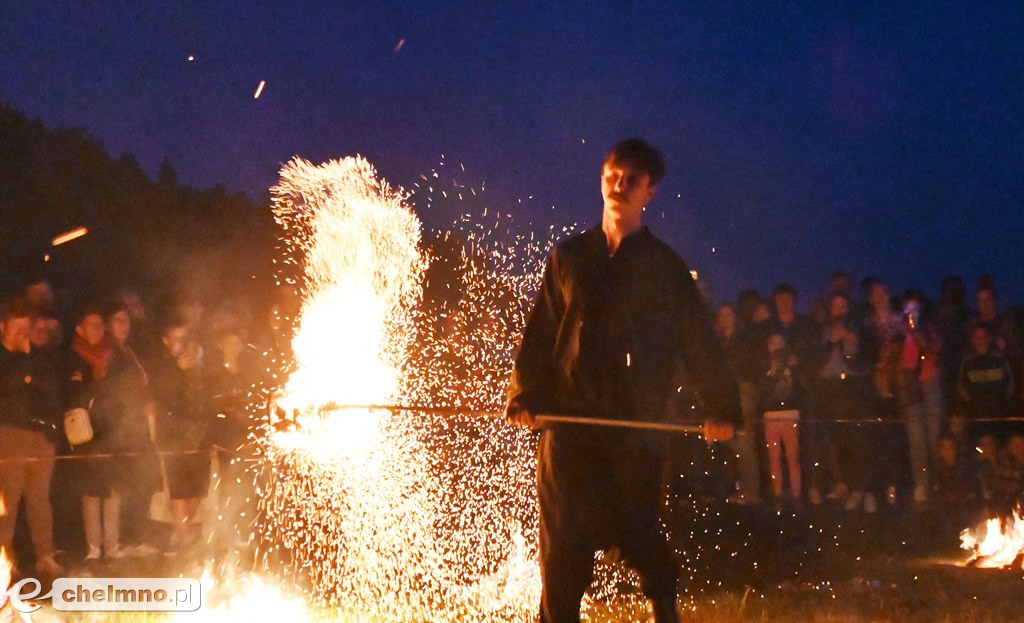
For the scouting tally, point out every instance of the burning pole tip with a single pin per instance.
(68, 236)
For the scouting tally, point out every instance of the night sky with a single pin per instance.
(800, 138)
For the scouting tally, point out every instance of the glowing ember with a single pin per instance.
(996, 543)
(68, 236)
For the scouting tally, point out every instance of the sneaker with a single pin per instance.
(741, 500)
(796, 504)
(93, 554)
(839, 492)
(814, 496)
(853, 502)
(48, 566)
(920, 495)
(118, 551)
(870, 506)
(143, 550)
(663, 610)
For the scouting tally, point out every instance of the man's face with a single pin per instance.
(947, 451)
(987, 306)
(40, 294)
(17, 333)
(726, 319)
(762, 312)
(120, 325)
(45, 332)
(91, 329)
(176, 341)
(879, 297)
(981, 341)
(987, 446)
(1015, 448)
(231, 346)
(785, 303)
(626, 190)
(838, 308)
(840, 283)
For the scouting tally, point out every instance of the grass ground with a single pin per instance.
(745, 564)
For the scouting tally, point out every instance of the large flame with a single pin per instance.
(386, 514)
(362, 267)
(996, 543)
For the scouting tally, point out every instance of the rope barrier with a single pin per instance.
(457, 412)
(671, 427)
(112, 455)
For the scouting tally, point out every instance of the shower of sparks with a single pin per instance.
(259, 89)
(399, 514)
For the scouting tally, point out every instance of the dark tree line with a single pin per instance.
(155, 236)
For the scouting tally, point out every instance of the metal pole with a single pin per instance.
(691, 429)
(542, 418)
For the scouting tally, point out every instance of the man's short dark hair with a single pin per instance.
(16, 308)
(640, 154)
(170, 321)
(986, 282)
(89, 308)
(978, 326)
(784, 288)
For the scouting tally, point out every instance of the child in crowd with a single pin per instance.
(985, 384)
(1009, 472)
(951, 481)
(780, 394)
(983, 466)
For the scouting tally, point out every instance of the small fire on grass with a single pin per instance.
(7, 612)
(5, 576)
(997, 543)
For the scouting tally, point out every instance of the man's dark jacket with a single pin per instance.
(607, 333)
(31, 391)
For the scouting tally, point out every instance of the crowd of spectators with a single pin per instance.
(871, 399)
(164, 397)
(865, 400)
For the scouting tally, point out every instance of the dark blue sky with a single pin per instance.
(801, 137)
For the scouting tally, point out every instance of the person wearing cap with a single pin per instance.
(617, 311)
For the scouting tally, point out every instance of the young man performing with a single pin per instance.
(616, 312)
